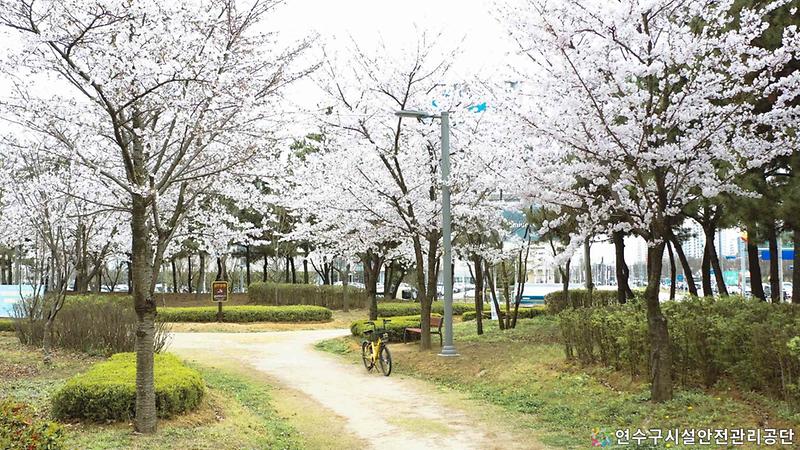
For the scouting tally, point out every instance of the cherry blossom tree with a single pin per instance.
(387, 167)
(166, 100)
(56, 220)
(633, 109)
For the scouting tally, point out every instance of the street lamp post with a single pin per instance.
(448, 349)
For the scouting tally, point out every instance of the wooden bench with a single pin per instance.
(436, 322)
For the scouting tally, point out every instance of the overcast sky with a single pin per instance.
(472, 23)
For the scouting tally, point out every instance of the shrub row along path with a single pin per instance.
(386, 412)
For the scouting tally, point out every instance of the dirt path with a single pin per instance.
(388, 413)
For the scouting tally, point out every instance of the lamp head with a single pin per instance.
(412, 114)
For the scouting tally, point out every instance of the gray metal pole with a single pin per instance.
(447, 349)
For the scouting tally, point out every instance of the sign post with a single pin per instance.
(219, 293)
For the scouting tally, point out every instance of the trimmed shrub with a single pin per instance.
(7, 325)
(471, 315)
(247, 313)
(744, 341)
(393, 309)
(20, 430)
(395, 328)
(523, 313)
(95, 324)
(276, 294)
(107, 392)
(579, 298)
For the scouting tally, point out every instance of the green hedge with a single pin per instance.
(7, 325)
(247, 313)
(523, 313)
(276, 294)
(395, 328)
(471, 315)
(20, 429)
(744, 341)
(579, 298)
(393, 309)
(107, 392)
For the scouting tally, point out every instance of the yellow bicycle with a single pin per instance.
(374, 350)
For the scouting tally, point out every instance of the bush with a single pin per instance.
(395, 328)
(744, 341)
(7, 325)
(94, 324)
(276, 294)
(579, 298)
(107, 392)
(523, 313)
(471, 315)
(393, 309)
(20, 430)
(248, 313)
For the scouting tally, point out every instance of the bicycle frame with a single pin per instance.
(378, 343)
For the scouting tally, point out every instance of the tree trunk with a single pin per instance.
(619, 256)
(565, 280)
(756, 289)
(660, 353)
(345, 281)
(506, 318)
(796, 268)
(426, 285)
(477, 276)
(387, 280)
(201, 274)
(47, 341)
(687, 269)
(719, 276)
(264, 273)
(305, 270)
(705, 270)
(99, 280)
(372, 264)
(81, 263)
(493, 292)
(145, 306)
(774, 263)
(190, 274)
(286, 270)
(672, 271)
(130, 276)
(294, 271)
(174, 275)
(247, 264)
(587, 261)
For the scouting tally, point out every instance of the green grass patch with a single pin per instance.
(524, 371)
(107, 392)
(255, 397)
(246, 314)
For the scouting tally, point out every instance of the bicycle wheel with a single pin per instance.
(386, 361)
(366, 355)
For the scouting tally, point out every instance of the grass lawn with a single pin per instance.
(524, 372)
(237, 411)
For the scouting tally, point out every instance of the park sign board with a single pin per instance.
(219, 291)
